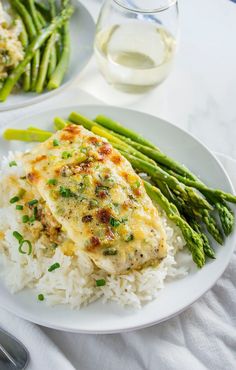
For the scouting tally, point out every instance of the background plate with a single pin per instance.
(177, 295)
(82, 31)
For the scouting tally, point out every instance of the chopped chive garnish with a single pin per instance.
(54, 267)
(12, 164)
(32, 219)
(25, 219)
(18, 236)
(100, 282)
(52, 182)
(21, 250)
(41, 297)
(55, 142)
(33, 202)
(19, 207)
(14, 199)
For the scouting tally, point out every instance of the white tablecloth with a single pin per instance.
(203, 337)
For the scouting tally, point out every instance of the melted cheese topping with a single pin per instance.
(93, 192)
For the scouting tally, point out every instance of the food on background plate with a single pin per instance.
(11, 49)
(35, 46)
(79, 223)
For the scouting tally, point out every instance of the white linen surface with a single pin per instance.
(202, 337)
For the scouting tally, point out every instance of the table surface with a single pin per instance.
(200, 93)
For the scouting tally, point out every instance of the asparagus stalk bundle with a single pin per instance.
(39, 37)
(187, 201)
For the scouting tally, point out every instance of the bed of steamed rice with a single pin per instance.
(74, 283)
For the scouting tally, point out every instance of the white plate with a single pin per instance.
(177, 295)
(82, 30)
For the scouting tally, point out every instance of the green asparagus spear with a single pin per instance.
(44, 63)
(41, 19)
(24, 39)
(62, 66)
(26, 135)
(226, 216)
(117, 127)
(193, 240)
(44, 10)
(60, 123)
(31, 29)
(155, 172)
(197, 184)
(53, 54)
(34, 14)
(79, 119)
(211, 225)
(33, 47)
(208, 250)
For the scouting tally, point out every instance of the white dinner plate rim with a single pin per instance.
(42, 322)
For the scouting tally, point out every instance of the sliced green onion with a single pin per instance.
(110, 252)
(65, 192)
(19, 207)
(52, 182)
(14, 199)
(21, 247)
(55, 142)
(54, 267)
(129, 238)
(25, 219)
(12, 164)
(100, 282)
(21, 193)
(41, 297)
(35, 212)
(114, 222)
(66, 155)
(33, 202)
(18, 236)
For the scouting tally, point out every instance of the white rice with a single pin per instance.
(74, 283)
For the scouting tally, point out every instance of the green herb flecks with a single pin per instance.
(55, 142)
(41, 297)
(114, 223)
(25, 219)
(66, 192)
(14, 199)
(18, 236)
(52, 182)
(66, 155)
(32, 202)
(19, 207)
(12, 164)
(110, 252)
(129, 238)
(100, 282)
(53, 267)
